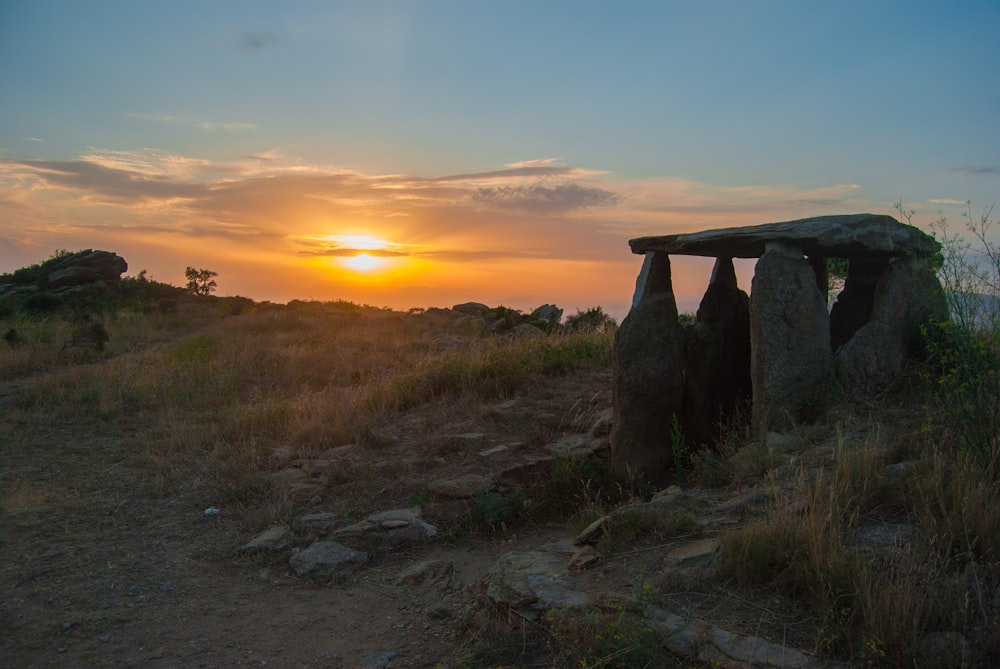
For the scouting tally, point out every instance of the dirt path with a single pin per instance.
(96, 575)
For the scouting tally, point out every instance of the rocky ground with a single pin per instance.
(371, 557)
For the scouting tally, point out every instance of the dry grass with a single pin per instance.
(214, 403)
(876, 605)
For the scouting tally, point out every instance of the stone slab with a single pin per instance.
(842, 236)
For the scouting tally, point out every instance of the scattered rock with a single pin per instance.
(321, 523)
(293, 482)
(691, 558)
(585, 558)
(532, 582)
(460, 487)
(391, 529)
(742, 502)
(526, 473)
(720, 648)
(271, 539)
(496, 450)
(326, 558)
(428, 572)
(570, 445)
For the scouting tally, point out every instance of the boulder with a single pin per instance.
(549, 313)
(326, 558)
(533, 582)
(845, 236)
(390, 529)
(647, 375)
(529, 331)
(907, 296)
(272, 539)
(84, 267)
(471, 308)
(717, 357)
(792, 369)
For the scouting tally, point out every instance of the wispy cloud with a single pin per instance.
(980, 171)
(945, 200)
(547, 199)
(186, 121)
(33, 139)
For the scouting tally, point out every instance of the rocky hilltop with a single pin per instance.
(64, 272)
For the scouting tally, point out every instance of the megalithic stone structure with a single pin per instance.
(648, 374)
(778, 350)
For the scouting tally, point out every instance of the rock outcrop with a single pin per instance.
(64, 274)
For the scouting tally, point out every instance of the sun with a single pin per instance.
(363, 262)
(362, 253)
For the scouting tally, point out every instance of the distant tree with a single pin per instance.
(200, 281)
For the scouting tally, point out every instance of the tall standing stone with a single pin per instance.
(853, 307)
(717, 356)
(907, 296)
(647, 375)
(792, 368)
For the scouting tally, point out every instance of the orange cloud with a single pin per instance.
(270, 224)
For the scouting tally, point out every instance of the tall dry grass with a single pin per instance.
(879, 605)
(213, 404)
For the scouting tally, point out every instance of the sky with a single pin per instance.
(427, 153)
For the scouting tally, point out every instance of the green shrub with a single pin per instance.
(591, 320)
(42, 302)
(967, 367)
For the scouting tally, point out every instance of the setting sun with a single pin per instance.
(363, 262)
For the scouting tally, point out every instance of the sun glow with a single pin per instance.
(363, 262)
(360, 242)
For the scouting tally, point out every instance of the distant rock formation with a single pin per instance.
(64, 273)
(778, 350)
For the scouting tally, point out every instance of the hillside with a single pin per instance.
(214, 482)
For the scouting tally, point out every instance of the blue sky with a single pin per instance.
(506, 151)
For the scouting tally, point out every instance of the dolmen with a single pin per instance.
(778, 357)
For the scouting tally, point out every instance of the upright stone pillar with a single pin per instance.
(647, 375)
(717, 357)
(906, 296)
(853, 307)
(792, 365)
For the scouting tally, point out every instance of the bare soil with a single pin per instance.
(99, 571)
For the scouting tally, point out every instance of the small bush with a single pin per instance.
(591, 320)
(967, 366)
(42, 302)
